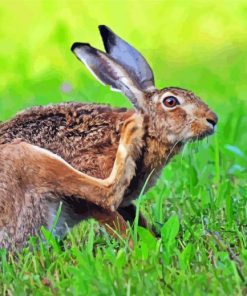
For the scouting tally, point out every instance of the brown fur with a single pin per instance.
(86, 136)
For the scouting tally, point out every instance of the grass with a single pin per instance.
(198, 204)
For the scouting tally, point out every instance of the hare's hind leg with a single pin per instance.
(42, 171)
(57, 175)
(22, 210)
(28, 173)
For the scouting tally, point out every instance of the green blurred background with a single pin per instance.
(198, 45)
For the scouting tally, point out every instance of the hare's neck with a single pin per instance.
(158, 153)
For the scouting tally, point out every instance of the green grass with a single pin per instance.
(199, 203)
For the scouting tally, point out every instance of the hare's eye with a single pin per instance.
(170, 102)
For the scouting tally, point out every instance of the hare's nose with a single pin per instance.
(212, 118)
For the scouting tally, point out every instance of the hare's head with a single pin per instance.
(174, 114)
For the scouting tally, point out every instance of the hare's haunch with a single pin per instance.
(94, 158)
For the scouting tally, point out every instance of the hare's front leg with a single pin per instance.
(113, 222)
(129, 214)
(124, 166)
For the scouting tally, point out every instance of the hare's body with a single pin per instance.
(33, 182)
(86, 136)
(94, 158)
(88, 144)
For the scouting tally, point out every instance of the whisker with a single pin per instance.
(169, 154)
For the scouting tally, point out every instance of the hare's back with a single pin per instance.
(85, 135)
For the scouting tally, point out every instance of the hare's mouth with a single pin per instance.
(203, 134)
(201, 129)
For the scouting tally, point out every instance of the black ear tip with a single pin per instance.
(78, 44)
(107, 36)
(103, 28)
(105, 31)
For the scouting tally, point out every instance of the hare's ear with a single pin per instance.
(129, 58)
(109, 72)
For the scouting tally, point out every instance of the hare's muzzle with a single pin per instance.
(211, 119)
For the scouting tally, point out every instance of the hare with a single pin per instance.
(94, 158)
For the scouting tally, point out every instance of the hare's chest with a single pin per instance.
(142, 181)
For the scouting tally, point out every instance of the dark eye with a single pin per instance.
(170, 102)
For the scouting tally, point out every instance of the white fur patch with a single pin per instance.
(189, 108)
(123, 151)
(156, 98)
(151, 88)
(172, 138)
